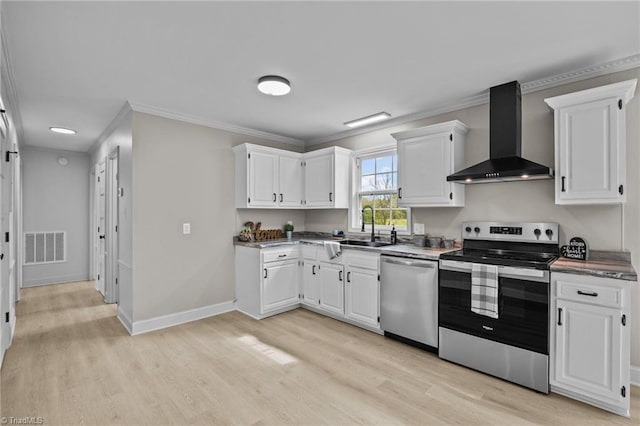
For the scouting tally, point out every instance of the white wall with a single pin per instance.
(119, 135)
(185, 173)
(614, 227)
(56, 198)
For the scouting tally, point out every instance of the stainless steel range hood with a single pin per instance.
(505, 129)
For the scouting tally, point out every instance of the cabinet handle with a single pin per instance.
(274, 197)
(339, 275)
(313, 270)
(563, 179)
(265, 273)
(349, 276)
(281, 198)
(559, 316)
(282, 255)
(587, 293)
(331, 196)
(399, 192)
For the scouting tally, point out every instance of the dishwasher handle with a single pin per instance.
(406, 262)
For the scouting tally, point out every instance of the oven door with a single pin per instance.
(523, 306)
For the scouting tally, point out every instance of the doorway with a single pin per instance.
(111, 255)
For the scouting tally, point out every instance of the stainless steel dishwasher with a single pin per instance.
(409, 300)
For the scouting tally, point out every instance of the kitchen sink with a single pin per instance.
(364, 243)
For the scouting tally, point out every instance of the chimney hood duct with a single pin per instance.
(505, 129)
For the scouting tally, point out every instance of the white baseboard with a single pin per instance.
(55, 280)
(125, 320)
(164, 321)
(634, 376)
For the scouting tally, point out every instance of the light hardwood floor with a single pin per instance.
(73, 363)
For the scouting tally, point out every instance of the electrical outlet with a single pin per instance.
(186, 228)
(418, 228)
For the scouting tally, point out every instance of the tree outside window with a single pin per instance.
(379, 190)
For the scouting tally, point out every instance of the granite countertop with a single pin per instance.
(606, 264)
(403, 249)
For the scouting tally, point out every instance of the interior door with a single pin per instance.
(101, 230)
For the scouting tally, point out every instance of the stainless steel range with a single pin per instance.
(504, 331)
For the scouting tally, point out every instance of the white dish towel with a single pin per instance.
(484, 290)
(333, 249)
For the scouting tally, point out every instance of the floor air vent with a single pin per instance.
(44, 247)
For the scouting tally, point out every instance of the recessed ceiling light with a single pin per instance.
(368, 120)
(63, 130)
(274, 85)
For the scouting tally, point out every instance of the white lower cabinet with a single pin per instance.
(590, 340)
(347, 287)
(362, 288)
(280, 285)
(331, 286)
(309, 275)
(266, 280)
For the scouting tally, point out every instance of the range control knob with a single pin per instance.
(468, 229)
(549, 233)
(476, 230)
(537, 232)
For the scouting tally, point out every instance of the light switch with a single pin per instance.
(186, 228)
(418, 228)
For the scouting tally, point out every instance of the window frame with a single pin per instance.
(356, 182)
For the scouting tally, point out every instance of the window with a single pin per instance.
(376, 186)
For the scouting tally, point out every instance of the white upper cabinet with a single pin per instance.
(290, 181)
(327, 178)
(267, 177)
(426, 156)
(275, 178)
(590, 144)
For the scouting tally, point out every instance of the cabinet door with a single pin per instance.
(279, 285)
(590, 167)
(362, 295)
(290, 182)
(331, 297)
(309, 282)
(263, 179)
(319, 181)
(588, 341)
(423, 166)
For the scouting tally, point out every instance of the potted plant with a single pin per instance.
(288, 228)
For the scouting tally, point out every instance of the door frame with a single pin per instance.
(111, 225)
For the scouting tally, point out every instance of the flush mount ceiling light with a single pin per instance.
(368, 120)
(274, 85)
(63, 130)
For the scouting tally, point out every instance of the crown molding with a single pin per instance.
(148, 109)
(124, 111)
(617, 65)
(12, 104)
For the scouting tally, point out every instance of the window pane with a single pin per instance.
(395, 163)
(383, 164)
(384, 181)
(368, 167)
(368, 183)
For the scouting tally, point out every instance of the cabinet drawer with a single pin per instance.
(586, 292)
(309, 251)
(362, 260)
(280, 253)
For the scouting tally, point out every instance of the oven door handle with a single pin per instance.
(503, 271)
(416, 263)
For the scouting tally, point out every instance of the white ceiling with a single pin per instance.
(76, 63)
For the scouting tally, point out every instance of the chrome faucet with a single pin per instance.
(373, 220)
